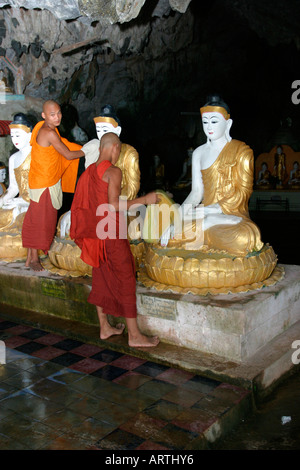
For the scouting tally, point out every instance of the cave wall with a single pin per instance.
(156, 61)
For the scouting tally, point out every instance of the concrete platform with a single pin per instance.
(264, 324)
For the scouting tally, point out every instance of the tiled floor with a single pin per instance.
(58, 393)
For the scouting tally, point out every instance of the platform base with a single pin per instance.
(247, 339)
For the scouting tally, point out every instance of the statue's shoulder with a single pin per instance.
(239, 145)
(199, 151)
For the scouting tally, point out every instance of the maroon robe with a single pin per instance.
(113, 275)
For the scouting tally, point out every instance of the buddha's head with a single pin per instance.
(20, 131)
(107, 121)
(216, 118)
(2, 172)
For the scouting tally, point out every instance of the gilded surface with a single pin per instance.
(128, 162)
(208, 271)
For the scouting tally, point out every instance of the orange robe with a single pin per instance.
(113, 275)
(47, 167)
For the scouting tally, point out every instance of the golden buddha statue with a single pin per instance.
(279, 171)
(64, 255)
(15, 201)
(215, 246)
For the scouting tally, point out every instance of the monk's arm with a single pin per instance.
(61, 148)
(114, 179)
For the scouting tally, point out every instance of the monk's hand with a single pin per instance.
(151, 198)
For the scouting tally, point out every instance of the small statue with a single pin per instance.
(79, 135)
(4, 88)
(279, 167)
(185, 178)
(157, 172)
(294, 180)
(264, 176)
(2, 178)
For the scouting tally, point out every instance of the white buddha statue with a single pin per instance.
(222, 182)
(15, 201)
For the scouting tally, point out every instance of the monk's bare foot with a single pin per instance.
(142, 341)
(108, 330)
(36, 266)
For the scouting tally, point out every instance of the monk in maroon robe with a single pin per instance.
(108, 251)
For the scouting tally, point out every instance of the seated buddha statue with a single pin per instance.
(209, 244)
(15, 201)
(264, 176)
(222, 182)
(294, 180)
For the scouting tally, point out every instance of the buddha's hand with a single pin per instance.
(91, 152)
(65, 224)
(7, 203)
(212, 209)
(168, 233)
(220, 219)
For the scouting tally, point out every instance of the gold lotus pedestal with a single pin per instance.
(208, 271)
(64, 258)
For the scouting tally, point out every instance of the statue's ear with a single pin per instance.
(227, 132)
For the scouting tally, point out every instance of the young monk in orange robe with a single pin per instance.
(113, 276)
(53, 169)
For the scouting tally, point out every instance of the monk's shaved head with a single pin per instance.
(108, 140)
(48, 104)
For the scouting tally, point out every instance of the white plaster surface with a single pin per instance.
(234, 326)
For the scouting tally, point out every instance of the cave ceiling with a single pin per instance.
(154, 59)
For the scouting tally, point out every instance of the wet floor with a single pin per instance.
(58, 393)
(275, 425)
(61, 394)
